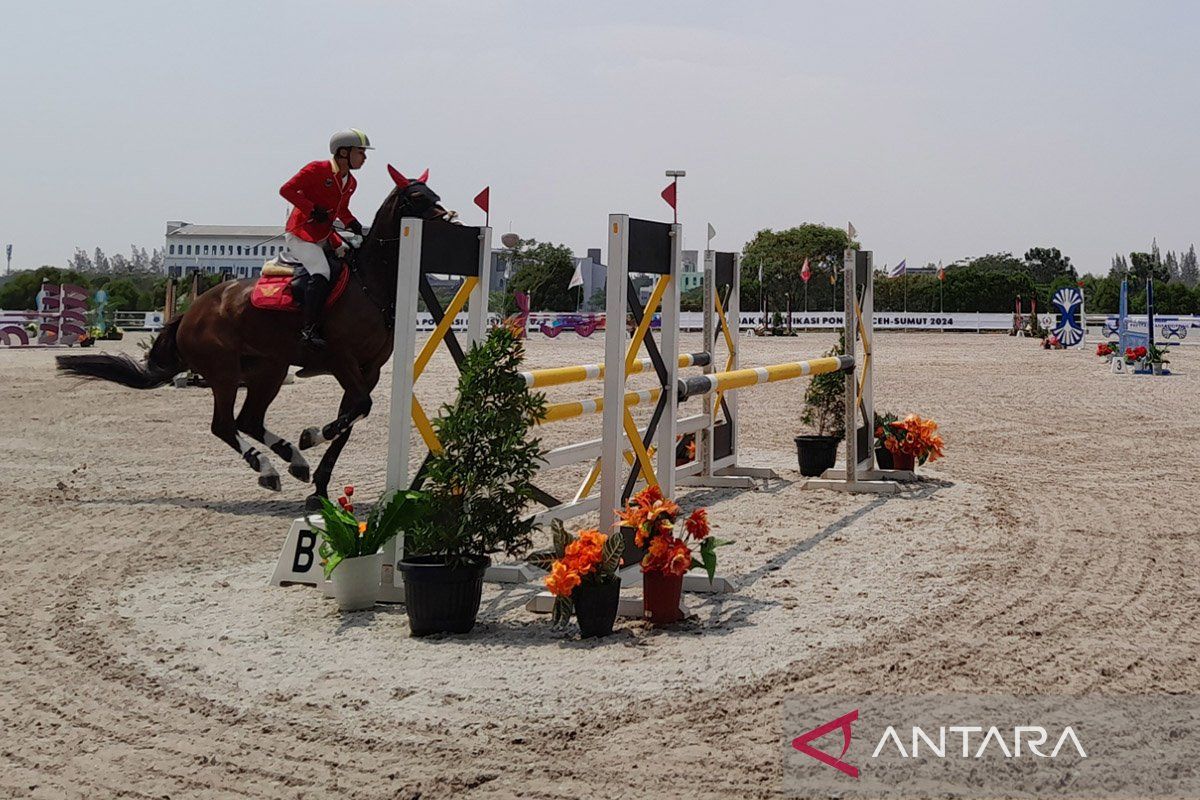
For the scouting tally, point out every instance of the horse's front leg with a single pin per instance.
(355, 405)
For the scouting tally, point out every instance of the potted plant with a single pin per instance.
(883, 456)
(910, 441)
(668, 557)
(1106, 350)
(1134, 355)
(583, 578)
(476, 488)
(350, 549)
(824, 411)
(1157, 357)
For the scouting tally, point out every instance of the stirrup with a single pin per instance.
(311, 337)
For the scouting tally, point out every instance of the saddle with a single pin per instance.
(280, 287)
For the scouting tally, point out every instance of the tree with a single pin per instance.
(1147, 265)
(598, 301)
(20, 292)
(1172, 266)
(100, 261)
(119, 265)
(1047, 264)
(81, 262)
(1120, 267)
(1189, 269)
(781, 256)
(543, 270)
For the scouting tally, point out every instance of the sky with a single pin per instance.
(942, 130)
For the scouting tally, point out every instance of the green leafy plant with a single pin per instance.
(1157, 355)
(591, 559)
(883, 429)
(825, 399)
(347, 537)
(480, 482)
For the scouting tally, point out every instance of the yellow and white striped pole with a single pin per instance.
(696, 385)
(595, 405)
(577, 373)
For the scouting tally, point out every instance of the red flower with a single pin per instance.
(697, 524)
(348, 491)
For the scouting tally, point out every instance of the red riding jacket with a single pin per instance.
(318, 184)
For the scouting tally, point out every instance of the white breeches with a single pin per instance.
(312, 256)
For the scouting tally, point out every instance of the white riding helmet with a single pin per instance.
(351, 137)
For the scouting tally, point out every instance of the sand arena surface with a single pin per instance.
(1053, 551)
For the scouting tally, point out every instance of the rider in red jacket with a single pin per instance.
(320, 193)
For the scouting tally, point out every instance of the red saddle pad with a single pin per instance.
(274, 293)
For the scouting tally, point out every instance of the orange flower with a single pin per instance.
(680, 560)
(562, 581)
(648, 496)
(697, 524)
(362, 528)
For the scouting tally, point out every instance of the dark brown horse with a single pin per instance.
(225, 339)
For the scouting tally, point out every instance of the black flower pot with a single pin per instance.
(441, 599)
(596, 607)
(816, 453)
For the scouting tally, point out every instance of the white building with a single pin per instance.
(238, 250)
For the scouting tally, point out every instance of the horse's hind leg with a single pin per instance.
(224, 427)
(262, 386)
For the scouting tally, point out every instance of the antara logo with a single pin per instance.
(1023, 737)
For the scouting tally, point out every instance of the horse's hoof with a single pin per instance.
(271, 482)
(300, 472)
(311, 437)
(312, 502)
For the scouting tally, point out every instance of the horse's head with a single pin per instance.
(412, 197)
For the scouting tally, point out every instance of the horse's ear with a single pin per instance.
(424, 176)
(400, 180)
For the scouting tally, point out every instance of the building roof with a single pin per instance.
(227, 230)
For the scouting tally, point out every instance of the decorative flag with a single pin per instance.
(482, 199)
(805, 272)
(668, 194)
(577, 278)
(850, 230)
(941, 272)
(832, 278)
(712, 234)
(899, 269)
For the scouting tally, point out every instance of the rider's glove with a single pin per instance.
(319, 214)
(355, 227)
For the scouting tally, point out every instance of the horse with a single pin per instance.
(228, 342)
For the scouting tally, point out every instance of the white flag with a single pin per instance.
(712, 234)
(899, 269)
(850, 230)
(577, 278)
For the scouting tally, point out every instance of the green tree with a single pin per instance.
(1147, 265)
(1048, 264)
(543, 270)
(21, 291)
(781, 255)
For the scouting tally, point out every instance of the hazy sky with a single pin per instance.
(941, 129)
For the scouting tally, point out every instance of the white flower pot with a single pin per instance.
(1156, 367)
(356, 582)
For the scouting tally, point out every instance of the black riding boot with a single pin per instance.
(315, 293)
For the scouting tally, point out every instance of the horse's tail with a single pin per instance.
(163, 363)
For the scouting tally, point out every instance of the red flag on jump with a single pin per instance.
(668, 194)
(805, 272)
(482, 198)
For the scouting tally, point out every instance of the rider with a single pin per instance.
(319, 193)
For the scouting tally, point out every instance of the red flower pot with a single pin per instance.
(660, 597)
(904, 461)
